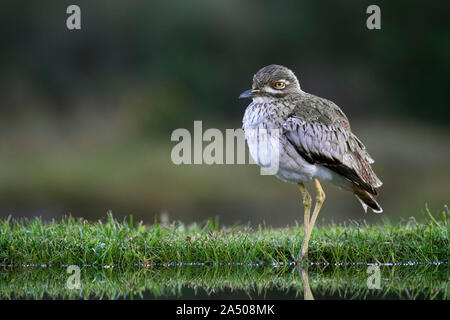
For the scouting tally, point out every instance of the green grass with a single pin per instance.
(26, 245)
(125, 243)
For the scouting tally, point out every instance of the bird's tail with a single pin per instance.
(367, 199)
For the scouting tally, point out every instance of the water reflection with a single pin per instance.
(244, 281)
(307, 294)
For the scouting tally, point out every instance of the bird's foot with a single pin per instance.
(301, 258)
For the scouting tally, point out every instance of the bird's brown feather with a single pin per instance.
(322, 135)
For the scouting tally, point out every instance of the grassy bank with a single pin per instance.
(79, 242)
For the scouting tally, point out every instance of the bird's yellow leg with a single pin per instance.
(320, 198)
(306, 204)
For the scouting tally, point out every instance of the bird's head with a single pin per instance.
(273, 81)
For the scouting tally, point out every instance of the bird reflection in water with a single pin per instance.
(307, 294)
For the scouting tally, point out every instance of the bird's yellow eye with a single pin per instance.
(279, 85)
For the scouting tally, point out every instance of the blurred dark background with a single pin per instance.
(86, 116)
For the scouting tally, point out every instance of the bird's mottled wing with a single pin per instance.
(330, 143)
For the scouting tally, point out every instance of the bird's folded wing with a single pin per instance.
(334, 147)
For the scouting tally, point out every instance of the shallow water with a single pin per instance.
(405, 280)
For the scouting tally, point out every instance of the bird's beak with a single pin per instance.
(250, 93)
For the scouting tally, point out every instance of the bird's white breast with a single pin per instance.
(261, 119)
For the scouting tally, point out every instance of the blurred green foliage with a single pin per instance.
(196, 57)
(86, 115)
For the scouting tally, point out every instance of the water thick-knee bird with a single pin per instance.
(315, 142)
